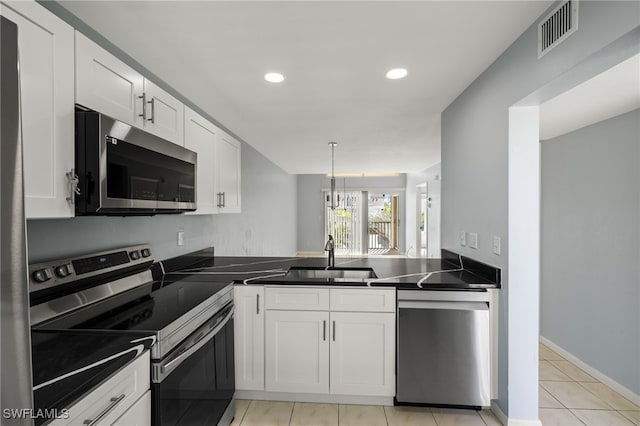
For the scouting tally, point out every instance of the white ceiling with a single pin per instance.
(606, 95)
(334, 56)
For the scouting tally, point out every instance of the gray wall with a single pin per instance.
(266, 226)
(590, 294)
(475, 152)
(310, 210)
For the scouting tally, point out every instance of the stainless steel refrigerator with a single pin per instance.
(15, 336)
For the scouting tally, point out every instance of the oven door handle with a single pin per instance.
(165, 368)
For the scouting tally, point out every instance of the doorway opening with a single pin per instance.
(383, 228)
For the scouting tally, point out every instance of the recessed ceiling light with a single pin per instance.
(274, 77)
(396, 73)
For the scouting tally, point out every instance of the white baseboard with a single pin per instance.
(312, 397)
(506, 421)
(621, 389)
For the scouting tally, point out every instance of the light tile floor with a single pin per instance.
(568, 396)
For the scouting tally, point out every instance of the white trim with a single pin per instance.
(621, 389)
(495, 408)
(314, 397)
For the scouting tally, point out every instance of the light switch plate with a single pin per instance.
(180, 238)
(463, 238)
(497, 245)
(473, 240)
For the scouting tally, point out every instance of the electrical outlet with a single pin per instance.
(473, 240)
(463, 238)
(180, 238)
(497, 245)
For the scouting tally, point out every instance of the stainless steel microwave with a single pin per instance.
(122, 170)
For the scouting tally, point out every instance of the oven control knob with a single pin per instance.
(134, 255)
(62, 271)
(145, 252)
(41, 275)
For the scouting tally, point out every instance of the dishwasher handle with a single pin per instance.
(453, 306)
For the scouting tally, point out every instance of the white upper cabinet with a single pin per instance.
(164, 114)
(200, 136)
(106, 84)
(45, 45)
(228, 176)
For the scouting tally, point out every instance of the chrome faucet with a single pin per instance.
(329, 246)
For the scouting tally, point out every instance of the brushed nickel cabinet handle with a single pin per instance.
(113, 402)
(257, 304)
(144, 106)
(153, 110)
(324, 330)
(334, 331)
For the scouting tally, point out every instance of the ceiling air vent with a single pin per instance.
(557, 26)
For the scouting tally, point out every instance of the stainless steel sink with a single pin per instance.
(342, 274)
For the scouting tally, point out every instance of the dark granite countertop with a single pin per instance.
(452, 272)
(67, 365)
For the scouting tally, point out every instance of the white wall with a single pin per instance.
(590, 291)
(431, 177)
(475, 150)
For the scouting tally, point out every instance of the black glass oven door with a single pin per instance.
(195, 383)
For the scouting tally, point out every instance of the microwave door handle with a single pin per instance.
(166, 367)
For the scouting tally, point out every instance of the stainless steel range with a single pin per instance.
(192, 361)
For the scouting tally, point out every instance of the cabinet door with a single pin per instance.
(363, 353)
(45, 45)
(106, 84)
(228, 178)
(164, 114)
(200, 136)
(249, 336)
(297, 351)
(137, 415)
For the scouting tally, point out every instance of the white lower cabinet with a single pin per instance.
(297, 351)
(363, 353)
(112, 399)
(313, 345)
(249, 336)
(139, 414)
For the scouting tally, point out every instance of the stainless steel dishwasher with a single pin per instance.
(443, 349)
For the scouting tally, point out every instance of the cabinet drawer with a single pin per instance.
(297, 299)
(363, 300)
(112, 398)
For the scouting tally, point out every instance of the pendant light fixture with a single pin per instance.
(331, 200)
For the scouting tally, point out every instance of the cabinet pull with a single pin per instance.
(144, 106)
(114, 401)
(72, 178)
(153, 110)
(219, 195)
(324, 330)
(334, 331)
(224, 199)
(257, 304)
